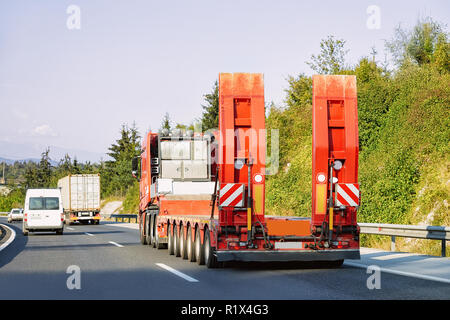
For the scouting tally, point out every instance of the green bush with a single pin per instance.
(131, 201)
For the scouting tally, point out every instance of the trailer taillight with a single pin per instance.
(340, 244)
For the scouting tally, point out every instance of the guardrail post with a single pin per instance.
(392, 243)
(443, 248)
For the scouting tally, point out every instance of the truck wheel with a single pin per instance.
(176, 241)
(170, 243)
(152, 231)
(190, 246)
(60, 231)
(156, 242)
(148, 236)
(210, 259)
(141, 232)
(183, 252)
(199, 248)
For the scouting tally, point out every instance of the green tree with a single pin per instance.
(166, 123)
(441, 56)
(299, 92)
(116, 173)
(210, 116)
(427, 42)
(331, 59)
(40, 176)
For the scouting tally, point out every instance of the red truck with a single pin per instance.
(202, 196)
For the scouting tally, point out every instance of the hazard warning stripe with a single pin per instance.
(231, 195)
(347, 194)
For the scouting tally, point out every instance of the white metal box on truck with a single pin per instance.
(81, 197)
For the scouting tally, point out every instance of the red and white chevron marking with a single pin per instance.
(231, 195)
(347, 194)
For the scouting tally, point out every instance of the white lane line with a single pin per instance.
(116, 244)
(176, 272)
(11, 238)
(69, 228)
(89, 234)
(401, 273)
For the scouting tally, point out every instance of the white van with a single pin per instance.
(43, 211)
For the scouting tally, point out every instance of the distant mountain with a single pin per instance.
(10, 152)
(11, 161)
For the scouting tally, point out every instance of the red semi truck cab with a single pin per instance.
(202, 195)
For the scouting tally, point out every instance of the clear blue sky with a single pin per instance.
(136, 60)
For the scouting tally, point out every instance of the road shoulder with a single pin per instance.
(406, 264)
(7, 235)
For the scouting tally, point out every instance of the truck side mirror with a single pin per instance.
(135, 168)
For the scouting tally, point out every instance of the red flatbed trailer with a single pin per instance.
(202, 195)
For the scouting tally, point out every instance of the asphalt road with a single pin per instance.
(114, 265)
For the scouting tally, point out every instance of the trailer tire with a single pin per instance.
(176, 241)
(151, 227)
(156, 242)
(190, 246)
(183, 251)
(209, 257)
(141, 232)
(148, 236)
(199, 248)
(170, 242)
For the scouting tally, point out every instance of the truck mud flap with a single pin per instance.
(288, 255)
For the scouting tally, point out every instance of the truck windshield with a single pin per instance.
(41, 203)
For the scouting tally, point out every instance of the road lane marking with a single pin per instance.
(116, 244)
(400, 273)
(176, 272)
(11, 238)
(69, 228)
(89, 234)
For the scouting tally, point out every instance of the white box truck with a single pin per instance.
(81, 198)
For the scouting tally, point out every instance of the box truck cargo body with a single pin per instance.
(81, 198)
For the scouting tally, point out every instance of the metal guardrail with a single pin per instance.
(123, 216)
(4, 213)
(408, 231)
